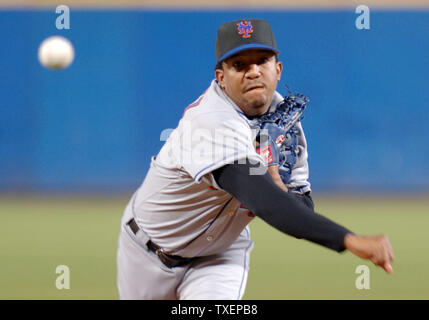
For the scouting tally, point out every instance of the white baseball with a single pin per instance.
(56, 53)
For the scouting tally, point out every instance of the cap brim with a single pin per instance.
(246, 47)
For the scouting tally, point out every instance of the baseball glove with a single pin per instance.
(278, 134)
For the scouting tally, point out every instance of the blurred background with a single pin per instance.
(76, 143)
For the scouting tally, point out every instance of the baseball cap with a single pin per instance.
(240, 35)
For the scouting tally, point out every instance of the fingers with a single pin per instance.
(388, 268)
(387, 252)
(383, 254)
(375, 248)
(385, 264)
(390, 256)
(389, 246)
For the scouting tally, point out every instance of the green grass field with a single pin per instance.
(39, 233)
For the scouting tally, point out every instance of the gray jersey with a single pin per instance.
(179, 205)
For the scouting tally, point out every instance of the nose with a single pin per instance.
(253, 71)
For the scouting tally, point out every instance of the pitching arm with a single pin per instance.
(280, 209)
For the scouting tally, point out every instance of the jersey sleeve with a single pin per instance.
(298, 181)
(210, 142)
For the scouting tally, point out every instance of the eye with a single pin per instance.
(238, 64)
(263, 59)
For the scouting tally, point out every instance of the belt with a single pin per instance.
(168, 260)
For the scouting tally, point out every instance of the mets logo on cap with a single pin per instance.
(245, 29)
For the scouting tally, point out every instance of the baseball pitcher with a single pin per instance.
(239, 151)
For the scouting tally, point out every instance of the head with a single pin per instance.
(248, 69)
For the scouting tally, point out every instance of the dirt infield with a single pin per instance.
(221, 3)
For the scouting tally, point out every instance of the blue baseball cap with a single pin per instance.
(236, 36)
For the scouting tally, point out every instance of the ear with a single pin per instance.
(279, 69)
(220, 77)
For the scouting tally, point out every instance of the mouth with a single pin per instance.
(254, 87)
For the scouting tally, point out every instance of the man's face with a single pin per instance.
(250, 79)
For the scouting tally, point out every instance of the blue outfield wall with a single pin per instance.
(94, 126)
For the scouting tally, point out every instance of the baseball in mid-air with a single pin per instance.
(56, 53)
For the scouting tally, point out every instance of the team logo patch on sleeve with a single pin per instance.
(266, 153)
(245, 29)
(280, 139)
